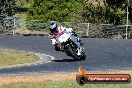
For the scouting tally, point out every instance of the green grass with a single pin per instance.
(64, 84)
(12, 57)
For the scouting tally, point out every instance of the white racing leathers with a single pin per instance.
(64, 34)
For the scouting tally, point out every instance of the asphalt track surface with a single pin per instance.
(102, 54)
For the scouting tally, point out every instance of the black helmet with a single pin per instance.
(53, 26)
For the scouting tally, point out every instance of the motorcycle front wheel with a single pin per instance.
(74, 55)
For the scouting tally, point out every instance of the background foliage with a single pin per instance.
(38, 12)
(112, 11)
(7, 8)
(60, 10)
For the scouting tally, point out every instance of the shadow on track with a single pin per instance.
(66, 60)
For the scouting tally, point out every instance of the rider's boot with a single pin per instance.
(57, 47)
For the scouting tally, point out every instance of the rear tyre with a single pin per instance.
(83, 56)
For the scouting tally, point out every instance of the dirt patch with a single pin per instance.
(54, 76)
(38, 77)
(29, 32)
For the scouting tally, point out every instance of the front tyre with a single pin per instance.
(74, 55)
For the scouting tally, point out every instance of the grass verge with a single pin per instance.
(12, 57)
(64, 84)
(56, 80)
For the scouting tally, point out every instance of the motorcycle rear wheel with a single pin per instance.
(83, 56)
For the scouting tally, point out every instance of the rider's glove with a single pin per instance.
(53, 41)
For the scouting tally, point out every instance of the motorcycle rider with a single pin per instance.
(56, 30)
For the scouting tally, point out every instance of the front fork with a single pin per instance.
(76, 40)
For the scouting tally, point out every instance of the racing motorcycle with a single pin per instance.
(71, 45)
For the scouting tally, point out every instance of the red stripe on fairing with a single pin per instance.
(55, 35)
